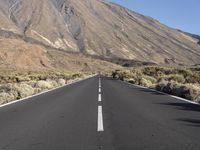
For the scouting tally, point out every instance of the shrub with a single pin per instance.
(152, 79)
(191, 91)
(177, 78)
(22, 78)
(157, 71)
(4, 88)
(161, 85)
(53, 83)
(132, 80)
(43, 85)
(6, 97)
(122, 75)
(114, 74)
(171, 87)
(61, 82)
(194, 78)
(23, 90)
(180, 82)
(188, 91)
(145, 82)
(23, 84)
(77, 75)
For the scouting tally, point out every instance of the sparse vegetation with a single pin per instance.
(184, 82)
(16, 85)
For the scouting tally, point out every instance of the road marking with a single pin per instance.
(99, 81)
(99, 90)
(99, 98)
(100, 119)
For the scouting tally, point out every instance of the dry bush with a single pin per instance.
(182, 82)
(122, 74)
(12, 76)
(43, 85)
(5, 88)
(135, 77)
(23, 84)
(172, 87)
(175, 77)
(152, 79)
(61, 82)
(157, 71)
(21, 78)
(23, 90)
(77, 75)
(191, 91)
(6, 97)
(161, 84)
(53, 83)
(188, 91)
(146, 83)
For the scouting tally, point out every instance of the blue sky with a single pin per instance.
(180, 14)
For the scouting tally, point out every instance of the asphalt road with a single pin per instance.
(100, 115)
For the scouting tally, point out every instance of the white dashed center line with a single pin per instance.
(100, 113)
(99, 98)
(100, 119)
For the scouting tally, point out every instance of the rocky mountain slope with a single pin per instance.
(16, 54)
(192, 35)
(96, 28)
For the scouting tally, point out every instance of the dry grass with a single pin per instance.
(16, 85)
(183, 82)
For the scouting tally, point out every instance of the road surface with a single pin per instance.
(100, 114)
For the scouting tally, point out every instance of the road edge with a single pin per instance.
(154, 90)
(47, 91)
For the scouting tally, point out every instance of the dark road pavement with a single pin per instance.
(100, 114)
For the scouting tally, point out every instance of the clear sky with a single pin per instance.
(180, 14)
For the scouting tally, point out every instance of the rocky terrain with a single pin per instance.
(192, 35)
(86, 34)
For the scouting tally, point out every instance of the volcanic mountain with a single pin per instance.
(92, 28)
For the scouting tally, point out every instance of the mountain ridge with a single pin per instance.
(98, 29)
(192, 35)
